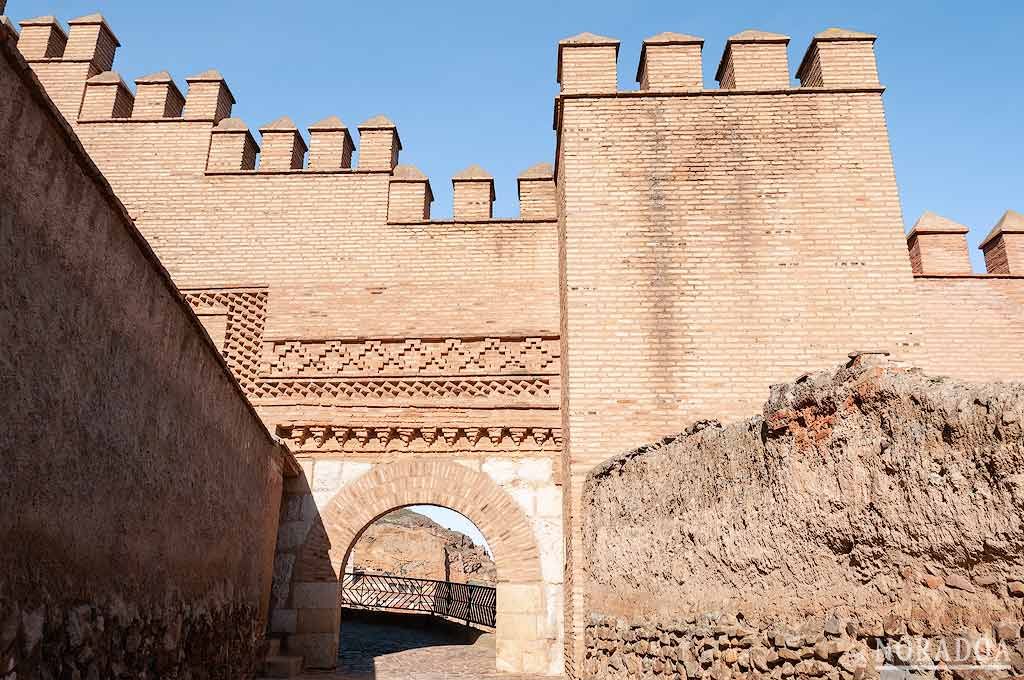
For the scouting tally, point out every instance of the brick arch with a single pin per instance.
(395, 485)
(522, 607)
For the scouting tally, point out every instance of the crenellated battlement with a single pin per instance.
(938, 247)
(670, 63)
(157, 96)
(75, 66)
(752, 61)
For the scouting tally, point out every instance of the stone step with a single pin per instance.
(282, 666)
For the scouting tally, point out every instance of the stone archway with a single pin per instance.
(523, 641)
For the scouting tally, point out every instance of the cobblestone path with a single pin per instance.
(381, 651)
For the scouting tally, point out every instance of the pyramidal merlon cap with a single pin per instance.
(155, 78)
(282, 124)
(930, 223)
(48, 20)
(329, 124)
(408, 172)
(538, 171)
(670, 38)
(1012, 222)
(377, 122)
(843, 34)
(473, 172)
(106, 78)
(752, 35)
(231, 125)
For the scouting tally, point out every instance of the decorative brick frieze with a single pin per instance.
(532, 390)
(519, 371)
(411, 357)
(369, 438)
(246, 315)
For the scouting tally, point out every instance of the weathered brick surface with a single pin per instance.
(671, 61)
(139, 494)
(971, 326)
(761, 249)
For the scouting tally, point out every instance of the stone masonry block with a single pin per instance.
(323, 620)
(521, 598)
(327, 475)
(283, 621)
(318, 650)
(518, 626)
(353, 471)
(525, 497)
(549, 501)
(314, 595)
(502, 471)
(535, 470)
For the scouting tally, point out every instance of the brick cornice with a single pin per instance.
(362, 437)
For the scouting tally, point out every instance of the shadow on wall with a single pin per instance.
(304, 593)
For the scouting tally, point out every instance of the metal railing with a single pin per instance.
(462, 601)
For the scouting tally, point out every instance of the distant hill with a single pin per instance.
(406, 543)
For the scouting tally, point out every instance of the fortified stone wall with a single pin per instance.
(140, 490)
(870, 509)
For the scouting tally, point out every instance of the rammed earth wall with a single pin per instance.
(139, 490)
(869, 509)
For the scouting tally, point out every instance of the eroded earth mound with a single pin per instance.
(870, 500)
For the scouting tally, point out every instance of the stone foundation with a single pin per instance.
(213, 638)
(723, 646)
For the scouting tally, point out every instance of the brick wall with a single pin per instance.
(139, 489)
(701, 266)
(971, 326)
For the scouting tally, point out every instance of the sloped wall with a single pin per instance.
(140, 492)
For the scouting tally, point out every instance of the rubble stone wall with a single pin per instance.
(870, 510)
(139, 492)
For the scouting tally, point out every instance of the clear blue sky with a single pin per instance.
(473, 82)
